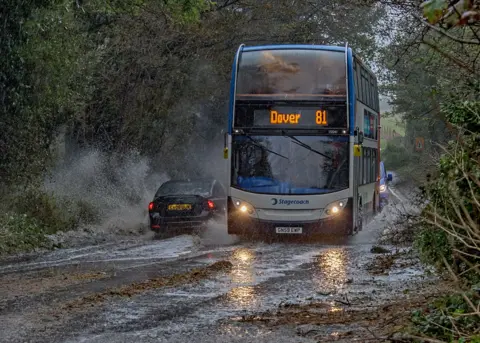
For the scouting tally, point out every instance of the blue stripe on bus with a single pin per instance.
(286, 191)
(272, 186)
(299, 46)
(351, 90)
(232, 93)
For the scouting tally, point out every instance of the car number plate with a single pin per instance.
(289, 230)
(179, 207)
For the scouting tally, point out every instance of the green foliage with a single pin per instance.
(433, 246)
(187, 11)
(453, 212)
(53, 214)
(14, 92)
(395, 154)
(449, 319)
(50, 50)
(113, 7)
(463, 113)
(460, 12)
(20, 233)
(29, 218)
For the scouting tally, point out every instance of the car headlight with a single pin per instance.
(383, 188)
(243, 206)
(335, 208)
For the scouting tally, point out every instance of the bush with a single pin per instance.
(43, 208)
(21, 233)
(450, 318)
(433, 246)
(35, 214)
(451, 234)
(54, 214)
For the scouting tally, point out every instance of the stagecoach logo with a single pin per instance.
(276, 201)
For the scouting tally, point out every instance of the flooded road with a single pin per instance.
(206, 289)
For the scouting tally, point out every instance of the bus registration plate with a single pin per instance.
(296, 230)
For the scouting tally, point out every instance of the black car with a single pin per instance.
(186, 204)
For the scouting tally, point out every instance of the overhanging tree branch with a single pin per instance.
(446, 34)
(455, 60)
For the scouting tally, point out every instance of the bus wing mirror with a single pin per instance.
(389, 177)
(360, 137)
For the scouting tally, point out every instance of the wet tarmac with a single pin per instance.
(212, 288)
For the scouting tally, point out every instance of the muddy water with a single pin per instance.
(262, 292)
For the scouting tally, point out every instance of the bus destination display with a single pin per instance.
(277, 117)
(315, 116)
(292, 117)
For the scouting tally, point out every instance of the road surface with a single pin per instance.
(206, 289)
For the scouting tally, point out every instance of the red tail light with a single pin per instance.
(210, 204)
(150, 206)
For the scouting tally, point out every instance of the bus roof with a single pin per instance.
(294, 46)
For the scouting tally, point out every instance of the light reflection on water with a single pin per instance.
(331, 272)
(244, 255)
(334, 308)
(243, 278)
(243, 296)
(329, 275)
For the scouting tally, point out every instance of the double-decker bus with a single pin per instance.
(302, 142)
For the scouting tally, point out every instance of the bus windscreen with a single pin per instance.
(291, 73)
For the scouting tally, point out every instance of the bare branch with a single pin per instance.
(446, 34)
(455, 60)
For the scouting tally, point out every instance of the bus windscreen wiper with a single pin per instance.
(306, 146)
(265, 148)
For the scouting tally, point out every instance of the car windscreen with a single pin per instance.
(201, 188)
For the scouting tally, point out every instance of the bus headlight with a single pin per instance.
(335, 208)
(243, 206)
(383, 188)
